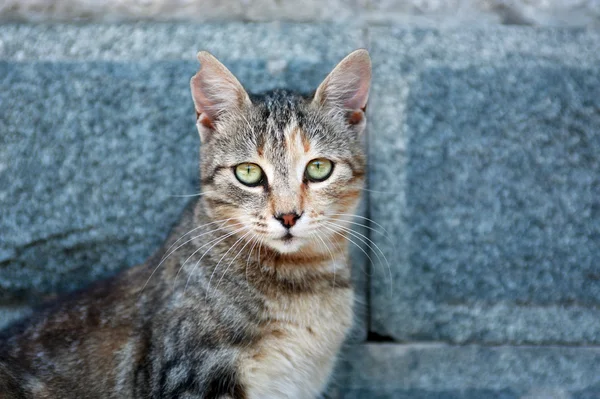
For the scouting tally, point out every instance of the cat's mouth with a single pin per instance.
(288, 237)
(287, 243)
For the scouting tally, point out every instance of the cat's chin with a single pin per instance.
(286, 246)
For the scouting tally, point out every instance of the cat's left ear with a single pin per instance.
(217, 95)
(345, 90)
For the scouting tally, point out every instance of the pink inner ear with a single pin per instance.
(204, 106)
(347, 86)
(215, 91)
(360, 97)
(361, 69)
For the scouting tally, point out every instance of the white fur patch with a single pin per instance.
(297, 354)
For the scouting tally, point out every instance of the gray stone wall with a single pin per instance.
(482, 280)
(432, 13)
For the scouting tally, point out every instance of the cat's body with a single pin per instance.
(227, 308)
(120, 339)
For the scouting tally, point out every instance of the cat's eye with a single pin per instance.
(319, 169)
(249, 174)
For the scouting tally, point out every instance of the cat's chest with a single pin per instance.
(298, 348)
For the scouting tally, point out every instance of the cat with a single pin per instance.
(250, 297)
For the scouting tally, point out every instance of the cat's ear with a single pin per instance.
(216, 93)
(345, 90)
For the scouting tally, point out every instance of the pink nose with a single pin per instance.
(288, 219)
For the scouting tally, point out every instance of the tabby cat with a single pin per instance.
(250, 296)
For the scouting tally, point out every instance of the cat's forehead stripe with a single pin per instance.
(293, 140)
(297, 138)
(305, 142)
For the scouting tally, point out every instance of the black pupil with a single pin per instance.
(318, 164)
(248, 169)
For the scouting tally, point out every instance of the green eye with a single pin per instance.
(319, 169)
(249, 174)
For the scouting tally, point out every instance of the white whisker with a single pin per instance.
(363, 217)
(250, 255)
(363, 225)
(194, 229)
(379, 192)
(352, 241)
(222, 257)
(362, 269)
(220, 239)
(330, 253)
(192, 195)
(364, 240)
(234, 258)
(259, 247)
(172, 252)
(194, 253)
(360, 236)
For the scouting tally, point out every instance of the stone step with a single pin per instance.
(436, 371)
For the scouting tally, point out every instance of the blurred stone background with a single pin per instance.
(573, 13)
(483, 276)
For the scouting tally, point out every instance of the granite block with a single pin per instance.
(486, 178)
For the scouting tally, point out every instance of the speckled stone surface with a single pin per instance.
(93, 156)
(439, 371)
(430, 13)
(275, 43)
(485, 172)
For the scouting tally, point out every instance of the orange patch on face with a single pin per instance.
(305, 142)
(354, 194)
(303, 188)
(349, 198)
(204, 120)
(356, 117)
(290, 139)
(272, 205)
(298, 136)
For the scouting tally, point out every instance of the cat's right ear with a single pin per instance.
(217, 94)
(345, 90)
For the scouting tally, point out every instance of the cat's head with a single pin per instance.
(281, 167)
